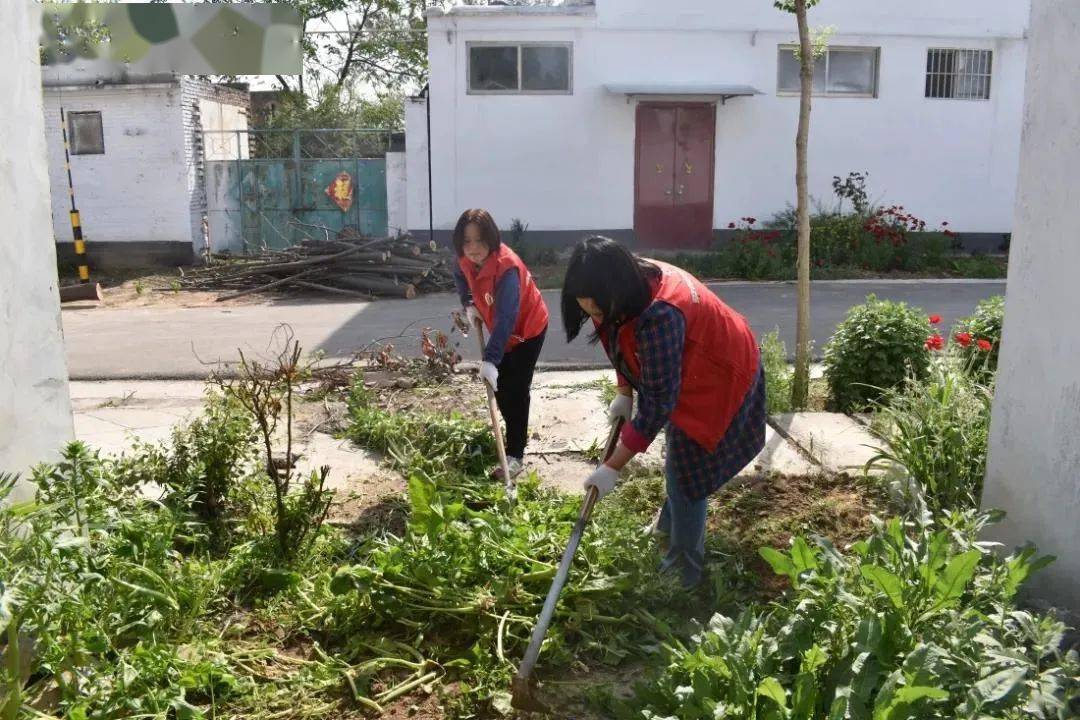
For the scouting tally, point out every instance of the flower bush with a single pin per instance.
(978, 337)
(877, 346)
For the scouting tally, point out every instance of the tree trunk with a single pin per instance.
(801, 384)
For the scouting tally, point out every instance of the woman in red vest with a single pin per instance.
(695, 367)
(496, 288)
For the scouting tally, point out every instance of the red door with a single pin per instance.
(673, 202)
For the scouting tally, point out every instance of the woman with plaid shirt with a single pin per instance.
(696, 369)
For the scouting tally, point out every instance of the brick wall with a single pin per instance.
(198, 94)
(137, 191)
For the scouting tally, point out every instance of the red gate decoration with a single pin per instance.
(340, 190)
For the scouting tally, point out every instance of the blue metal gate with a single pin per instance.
(266, 189)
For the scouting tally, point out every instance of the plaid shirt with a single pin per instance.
(661, 335)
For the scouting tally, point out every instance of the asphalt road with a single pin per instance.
(186, 343)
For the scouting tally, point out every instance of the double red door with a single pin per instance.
(673, 203)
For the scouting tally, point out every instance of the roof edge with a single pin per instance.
(583, 10)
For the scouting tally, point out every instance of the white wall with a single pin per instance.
(396, 193)
(566, 162)
(35, 409)
(137, 190)
(1034, 465)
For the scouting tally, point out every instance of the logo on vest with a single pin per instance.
(488, 299)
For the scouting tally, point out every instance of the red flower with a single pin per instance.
(731, 226)
(963, 338)
(934, 342)
(935, 319)
(984, 345)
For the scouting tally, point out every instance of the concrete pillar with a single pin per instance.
(35, 408)
(397, 194)
(1034, 464)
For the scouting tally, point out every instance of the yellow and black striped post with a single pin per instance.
(76, 222)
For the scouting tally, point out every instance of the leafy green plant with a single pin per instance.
(778, 374)
(877, 346)
(916, 622)
(936, 429)
(208, 466)
(984, 324)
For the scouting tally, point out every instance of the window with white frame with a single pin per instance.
(85, 133)
(508, 68)
(958, 74)
(838, 72)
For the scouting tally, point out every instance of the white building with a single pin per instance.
(136, 161)
(676, 118)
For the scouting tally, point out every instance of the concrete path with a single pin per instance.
(568, 417)
(837, 443)
(185, 343)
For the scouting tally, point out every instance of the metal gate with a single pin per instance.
(266, 189)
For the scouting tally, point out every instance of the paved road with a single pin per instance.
(185, 343)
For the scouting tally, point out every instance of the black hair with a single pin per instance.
(489, 231)
(613, 277)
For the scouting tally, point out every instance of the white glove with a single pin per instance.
(490, 373)
(620, 408)
(473, 316)
(603, 479)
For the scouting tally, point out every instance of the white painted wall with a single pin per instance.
(35, 408)
(137, 190)
(396, 193)
(1034, 465)
(566, 162)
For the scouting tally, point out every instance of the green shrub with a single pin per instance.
(937, 429)
(916, 622)
(984, 324)
(207, 466)
(778, 374)
(877, 346)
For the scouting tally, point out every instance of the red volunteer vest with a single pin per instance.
(532, 316)
(720, 357)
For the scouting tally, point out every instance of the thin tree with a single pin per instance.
(800, 386)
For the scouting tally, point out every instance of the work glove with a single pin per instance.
(473, 316)
(603, 479)
(490, 373)
(620, 408)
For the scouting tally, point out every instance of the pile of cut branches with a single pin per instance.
(344, 265)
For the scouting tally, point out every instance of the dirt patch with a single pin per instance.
(771, 511)
(150, 287)
(415, 707)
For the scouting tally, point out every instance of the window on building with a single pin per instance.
(85, 134)
(520, 68)
(958, 74)
(839, 72)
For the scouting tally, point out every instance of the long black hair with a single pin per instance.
(615, 279)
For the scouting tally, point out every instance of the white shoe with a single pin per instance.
(513, 464)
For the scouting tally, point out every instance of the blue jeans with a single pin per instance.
(683, 521)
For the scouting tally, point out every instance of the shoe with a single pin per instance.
(513, 464)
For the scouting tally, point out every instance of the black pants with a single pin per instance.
(513, 396)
